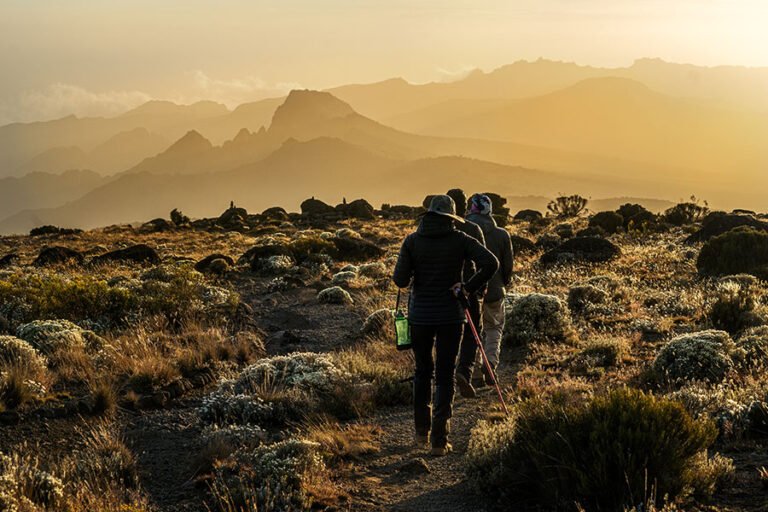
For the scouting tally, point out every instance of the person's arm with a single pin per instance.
(507, 260)
(486, 263)
(404, 266)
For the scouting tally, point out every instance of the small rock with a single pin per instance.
(417, 466)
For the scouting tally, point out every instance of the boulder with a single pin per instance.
(53, 230)
(717, 223)
(157, 226)
(9, 259)
(206, 264)
(314, 206)
(360, 209)
(275, 213)
(140, 253)
(57, 255)
(528, 215)
(233, 218)
(587, 249)
(356, 249)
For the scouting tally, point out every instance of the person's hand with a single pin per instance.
(458, 289)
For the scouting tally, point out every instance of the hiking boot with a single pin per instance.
(441, 451)
(478, 383)
(466, 390)
(421, 442)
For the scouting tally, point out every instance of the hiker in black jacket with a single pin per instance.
(431, 261)
(468, 348)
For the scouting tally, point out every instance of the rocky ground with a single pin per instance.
(134, 400)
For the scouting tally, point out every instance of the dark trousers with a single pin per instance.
(468, 349)
(445, 339)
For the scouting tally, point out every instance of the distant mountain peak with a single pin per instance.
(190, 143)
(304, 107)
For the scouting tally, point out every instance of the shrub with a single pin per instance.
(601, 353)
(685, 213)
(538, 317)
(741, 250)
(179, 218)
(605, 454)
(343, 278)
(334, 295)
(585, 296)
(567, 206)
(705, 355)
(379, 323)
(49, 336)
(735, 308)
(24, 486)
(271, 478)
(610, 222)
(16, 352)
(754, 343)
(375, 270)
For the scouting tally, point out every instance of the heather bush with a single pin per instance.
(538, 317)
(334, 295)
(610, 222)
(605, 454)
(736, 307)
(685, 213)
(271, 478)
(706, 356)
(17, 352)
(741, 250)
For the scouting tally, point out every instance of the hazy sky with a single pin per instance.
(102, 56)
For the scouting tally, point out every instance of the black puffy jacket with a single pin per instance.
(433, 257)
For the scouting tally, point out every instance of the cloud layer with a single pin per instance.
(61, 99)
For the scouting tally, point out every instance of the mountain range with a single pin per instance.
(532, 128)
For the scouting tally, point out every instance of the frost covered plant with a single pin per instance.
(224, 407)
(334, 295)
(706, 356)
(277, 477)
(308, 371)
(14, 351)
(726, 406)
(343, 278)
(49, 336)
(347, 233)
(538, 317)
(375, 270)
(754, 342)
(234, 435)
(736, 307)
(277, 264)
(25, 487)
(598, 295)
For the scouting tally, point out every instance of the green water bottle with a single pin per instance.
(403, 331)
(402, 327)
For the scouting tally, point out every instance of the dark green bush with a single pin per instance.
(610, 222)
(741, 250)
(613, 452)
(685, 213)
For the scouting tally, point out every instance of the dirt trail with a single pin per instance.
(396, 479)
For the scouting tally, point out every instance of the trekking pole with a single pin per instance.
(465, 306)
